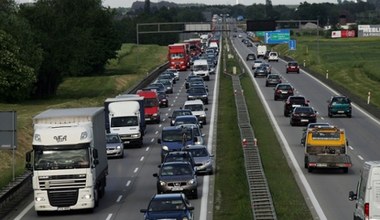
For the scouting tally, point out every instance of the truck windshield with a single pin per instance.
(200, 68)
(176, 135)
(124, 121)
(61, 159)
(177, 56)
(151, 102)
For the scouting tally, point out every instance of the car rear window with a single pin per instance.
(297, 99)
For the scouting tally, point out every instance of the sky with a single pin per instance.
(128, 3)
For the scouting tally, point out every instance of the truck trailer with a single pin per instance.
(68, 159)
(326, 147)
(125, 116)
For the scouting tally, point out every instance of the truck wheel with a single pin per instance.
(345, 170)
(96, 197)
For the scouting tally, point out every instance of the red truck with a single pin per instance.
(179, 56)
(151, 105)
(195, 46)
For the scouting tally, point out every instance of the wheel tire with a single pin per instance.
(266, 85)
(329, 114)
(345, 170)
(41, 213)
(349, 116)
(310, 169)
(195, 194)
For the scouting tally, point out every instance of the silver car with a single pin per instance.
(203, 159)
(114, 145)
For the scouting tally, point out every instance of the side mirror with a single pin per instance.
(352, 196)
(155, 175)
(28, 157)
(143, 210)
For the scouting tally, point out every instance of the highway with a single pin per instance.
(327, 190)
(130, 183)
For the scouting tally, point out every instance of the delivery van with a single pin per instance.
(367, 192)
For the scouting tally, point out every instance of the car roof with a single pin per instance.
(196, 101)
(185, 116)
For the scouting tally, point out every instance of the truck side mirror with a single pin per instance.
(28, 157)
(352, 196)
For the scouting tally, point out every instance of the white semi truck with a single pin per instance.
(125, 116)
(69, 159)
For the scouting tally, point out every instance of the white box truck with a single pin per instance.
(367, 192)
(69, 159)
(125, 116)
(261, 50)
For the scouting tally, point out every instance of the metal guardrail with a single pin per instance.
(17, 190)
(261, 199)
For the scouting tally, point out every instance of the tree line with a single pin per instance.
(44, 42)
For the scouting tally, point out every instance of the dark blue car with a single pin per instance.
(169, 206)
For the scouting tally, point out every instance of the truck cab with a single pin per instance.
(151, 106)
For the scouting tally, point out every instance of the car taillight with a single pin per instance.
(278, 91)
(287, 102)
(366, 210)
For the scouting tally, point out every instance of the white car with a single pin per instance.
(197, 108)
(256, 64)
(273, 56)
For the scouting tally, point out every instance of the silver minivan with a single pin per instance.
(367, 195)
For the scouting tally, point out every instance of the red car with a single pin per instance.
(292, 66)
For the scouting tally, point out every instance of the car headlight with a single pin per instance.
(165, 148)
(162, 183)
(155, 114)
(192, 181)
(204, 96)
(190, 96)
(118, 147)
(135, 135)
(185, 218)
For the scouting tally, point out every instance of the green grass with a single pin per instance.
(131, 65)
(352, 63)
(232, 200)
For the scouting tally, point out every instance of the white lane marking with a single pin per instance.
(136, 169)
(152, 140)
(109, 216)
(156, 132)
(350, 147)
(164, 119)
(174, 101)
(169, 109)
(167, 113)
(305, 183)
(128, 183)
(119, 198)
(160, 125)
(206, 179)
(19, 217)
(142, 158)
(147, 149)
(360, 157)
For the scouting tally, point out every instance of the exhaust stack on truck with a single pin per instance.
(69, 159)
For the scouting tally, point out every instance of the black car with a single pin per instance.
(169, 206)
(250, 56)
(266, 55)
(292, 102)
(303, 116)
(178, 112)
(192, 78)
(282, 91)
(260, 71)
(183, 156)
(179, 176)
(273, 80)
(198, 93)
(163, 99)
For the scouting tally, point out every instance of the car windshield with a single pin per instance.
(200, 68)
(159, 205)
(186, 120)
(194, 107)
(112, 139)
(176, 169)
(176, 135)
(340, 100)
(273, 76)
(178, 113)
(200, 152)
(292, 64)
(283, 87)
(197, 90)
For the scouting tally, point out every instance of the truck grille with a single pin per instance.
(63, 182)
(63, 198)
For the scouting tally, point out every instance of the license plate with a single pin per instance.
(296, 106)
(340, 112)
(284, 92)
(304, 120)
(63, 208)
(176, 188)
(321, 165)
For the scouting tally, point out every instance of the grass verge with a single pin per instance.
(121, 73)
(231, 198)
